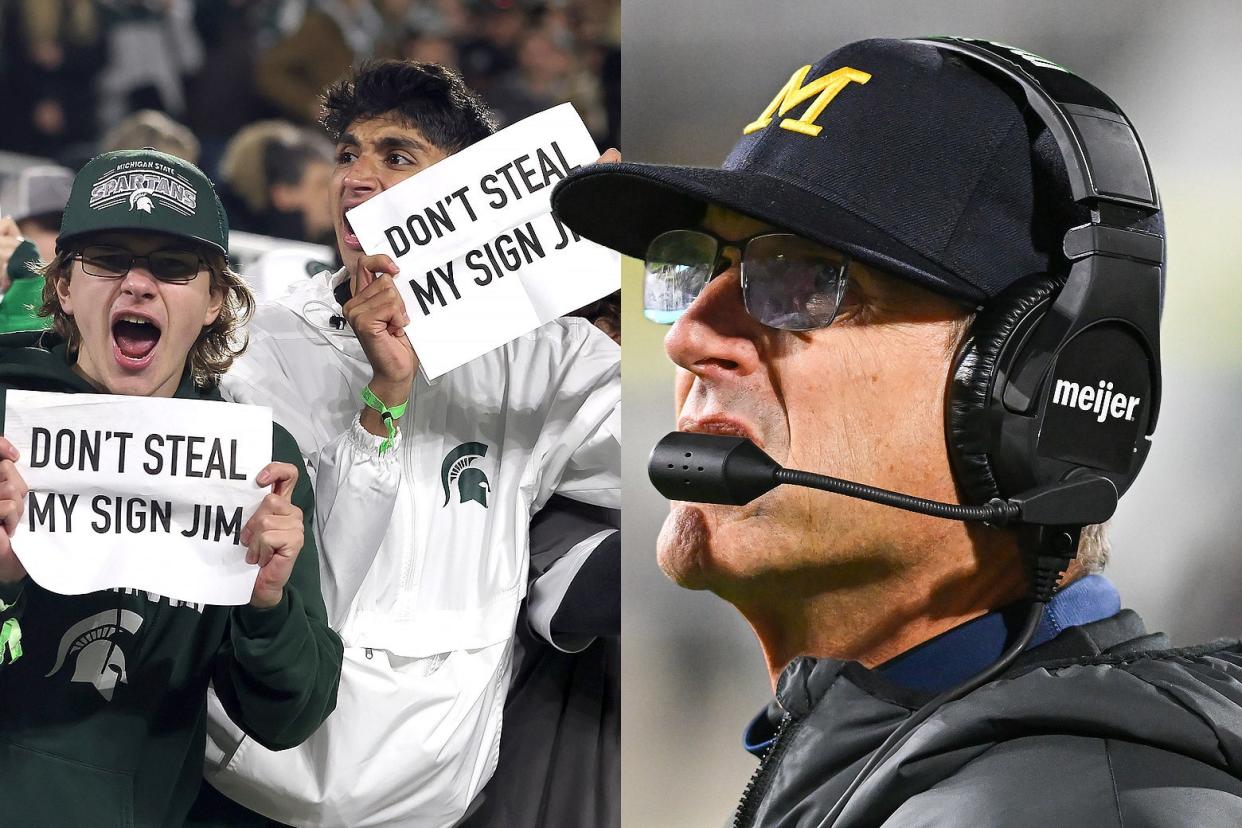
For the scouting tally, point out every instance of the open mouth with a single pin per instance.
(135, 338)
(349, 237)
(718, 425)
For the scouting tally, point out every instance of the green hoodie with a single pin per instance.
(103, 716)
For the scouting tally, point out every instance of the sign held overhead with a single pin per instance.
(482, 258)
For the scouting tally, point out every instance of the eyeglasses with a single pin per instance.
(788, 282)
(109, 262)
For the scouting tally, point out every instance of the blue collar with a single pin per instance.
(954, 656)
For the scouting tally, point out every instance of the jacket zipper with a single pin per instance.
(761, 779)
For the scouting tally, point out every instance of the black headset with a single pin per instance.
(1062, 371)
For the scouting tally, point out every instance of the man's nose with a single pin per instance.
(363, 176)
(139, 282)
(716, 337)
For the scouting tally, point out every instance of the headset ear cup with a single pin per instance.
(968, 401)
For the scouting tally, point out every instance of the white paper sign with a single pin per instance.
(141, 492)
(482, 258)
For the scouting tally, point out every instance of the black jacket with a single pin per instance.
(1102, 726)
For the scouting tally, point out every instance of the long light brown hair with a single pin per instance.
(217, 345)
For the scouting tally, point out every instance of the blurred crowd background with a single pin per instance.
(233, 85)
(696, 71)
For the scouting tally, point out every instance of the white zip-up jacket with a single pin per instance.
(423, 553)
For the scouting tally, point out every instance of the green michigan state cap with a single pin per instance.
(147, 191)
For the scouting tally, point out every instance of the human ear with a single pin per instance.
(214, 304)
(63, 295)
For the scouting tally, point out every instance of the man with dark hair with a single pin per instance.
(885, 282)
(427, 490)
(447, 112)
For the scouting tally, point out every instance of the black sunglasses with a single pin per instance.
(788, 282)
(110, 262)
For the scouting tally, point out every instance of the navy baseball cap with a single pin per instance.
(898, 153)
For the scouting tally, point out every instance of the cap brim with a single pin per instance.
(64, 242)
(625, 205)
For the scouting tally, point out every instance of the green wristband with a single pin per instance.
(11, 640)
(388, 415)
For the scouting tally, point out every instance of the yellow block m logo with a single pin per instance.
(794, 93)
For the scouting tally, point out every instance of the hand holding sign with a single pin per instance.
(378, 317)
(138, 493)
(483, 260)
(274, 534)
(12, 506)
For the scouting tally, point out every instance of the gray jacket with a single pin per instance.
(1102, 726)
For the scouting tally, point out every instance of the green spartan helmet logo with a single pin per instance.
(458, 467)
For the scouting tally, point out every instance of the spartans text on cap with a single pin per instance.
(163, 183)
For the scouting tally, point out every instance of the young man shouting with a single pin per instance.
(427, 489)
(103, 708)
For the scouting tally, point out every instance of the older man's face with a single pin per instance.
(862, 399)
